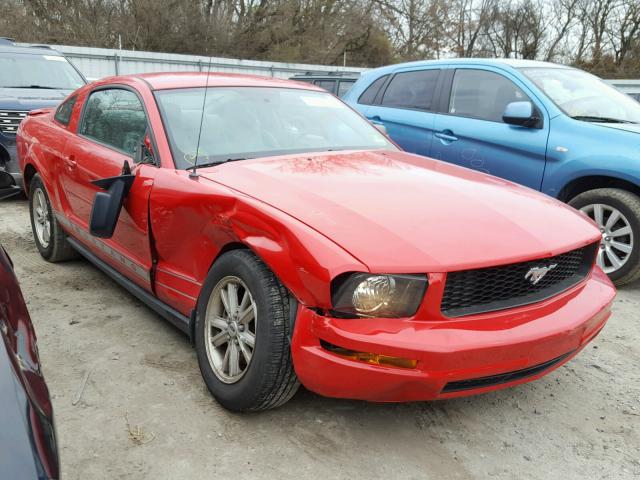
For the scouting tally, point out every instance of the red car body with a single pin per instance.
(315, 216)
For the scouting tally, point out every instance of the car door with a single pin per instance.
(113, 123)
(405, 105)
(470, 131)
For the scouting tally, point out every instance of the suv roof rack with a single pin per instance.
(41, 46)
(335, 73)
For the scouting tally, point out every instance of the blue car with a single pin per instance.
(552, 128)
(31, 77)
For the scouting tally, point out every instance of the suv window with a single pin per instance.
(344, 86)
(411, 89)
(369, 95)
(63, 113)
(328, 85)
(115, 117)
(483, 95)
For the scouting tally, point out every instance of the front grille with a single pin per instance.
(501, 378)
(496, 288)
(10, 119)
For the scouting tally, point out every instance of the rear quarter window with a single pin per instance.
(369, 95)
(64, 111)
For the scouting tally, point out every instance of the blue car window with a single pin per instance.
(369, 95)
(411, 89)
(483, 95)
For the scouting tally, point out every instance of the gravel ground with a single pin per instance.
(145, 412)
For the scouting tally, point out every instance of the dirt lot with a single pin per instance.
(582, 421)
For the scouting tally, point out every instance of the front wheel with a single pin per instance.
(243, 331)
(617, 213)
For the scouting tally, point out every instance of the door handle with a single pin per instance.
(446, 136)
(376, 120)
(70, 161)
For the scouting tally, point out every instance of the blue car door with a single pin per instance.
(404, 104)
(469, 130)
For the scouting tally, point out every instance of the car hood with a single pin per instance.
(626, 127)
(398, 212)
(30, 98)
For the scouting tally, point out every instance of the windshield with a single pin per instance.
(251, 122)
(584, 96)
(28, 70)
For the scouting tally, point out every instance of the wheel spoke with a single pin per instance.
(225, 360)
(621, 246)
(46, 233)
(232, 298)
(597, 214)
(613, 218)
(246, 353)
(225, 300)
(613, 258)
(247, 314)
(234, 360)
(248, 338)
(220, 323)
(246, 298)
(600, 259)
(621, 232)
(220, 339)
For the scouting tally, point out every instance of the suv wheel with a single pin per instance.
(617, 213)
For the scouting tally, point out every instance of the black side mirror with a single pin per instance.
(521, 114)
(108, 204)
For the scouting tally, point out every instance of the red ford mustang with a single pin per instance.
(306, 247)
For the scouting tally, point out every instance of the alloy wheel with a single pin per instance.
(617, 236)
(41, 218)
(230, 329)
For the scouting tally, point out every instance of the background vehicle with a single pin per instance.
(27, 438)
(31, 77)
(337, 83)
(263, 253)
(552, 128)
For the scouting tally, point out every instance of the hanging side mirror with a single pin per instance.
(521, 114)
(108, 204)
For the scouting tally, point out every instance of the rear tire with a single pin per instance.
(616, 211)
(245, 359)
(50, 239)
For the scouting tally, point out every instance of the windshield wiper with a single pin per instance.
(211, 164)
(44, 87)
(590, 118)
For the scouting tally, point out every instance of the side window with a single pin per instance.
(483, 95)
(412, 90)
(369, 95)
(63, 113)
(329, 85)
(344, 86)
(116, 118)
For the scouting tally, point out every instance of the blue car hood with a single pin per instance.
(627, 127)
(30, 98)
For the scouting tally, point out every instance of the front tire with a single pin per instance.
(242, 335)
(50, 239)
(617, 213)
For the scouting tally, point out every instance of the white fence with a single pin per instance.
(96, 63)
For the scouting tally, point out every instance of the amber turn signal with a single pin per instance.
(372, 358)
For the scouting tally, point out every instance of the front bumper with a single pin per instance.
(537, 338)
(9, 164)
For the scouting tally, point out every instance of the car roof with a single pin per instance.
(8, 46)
(173, 80)
(508, 62)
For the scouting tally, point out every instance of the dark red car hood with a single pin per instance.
(398, 212)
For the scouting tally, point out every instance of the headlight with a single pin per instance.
(382, 296)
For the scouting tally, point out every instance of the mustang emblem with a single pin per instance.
(535, 274)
